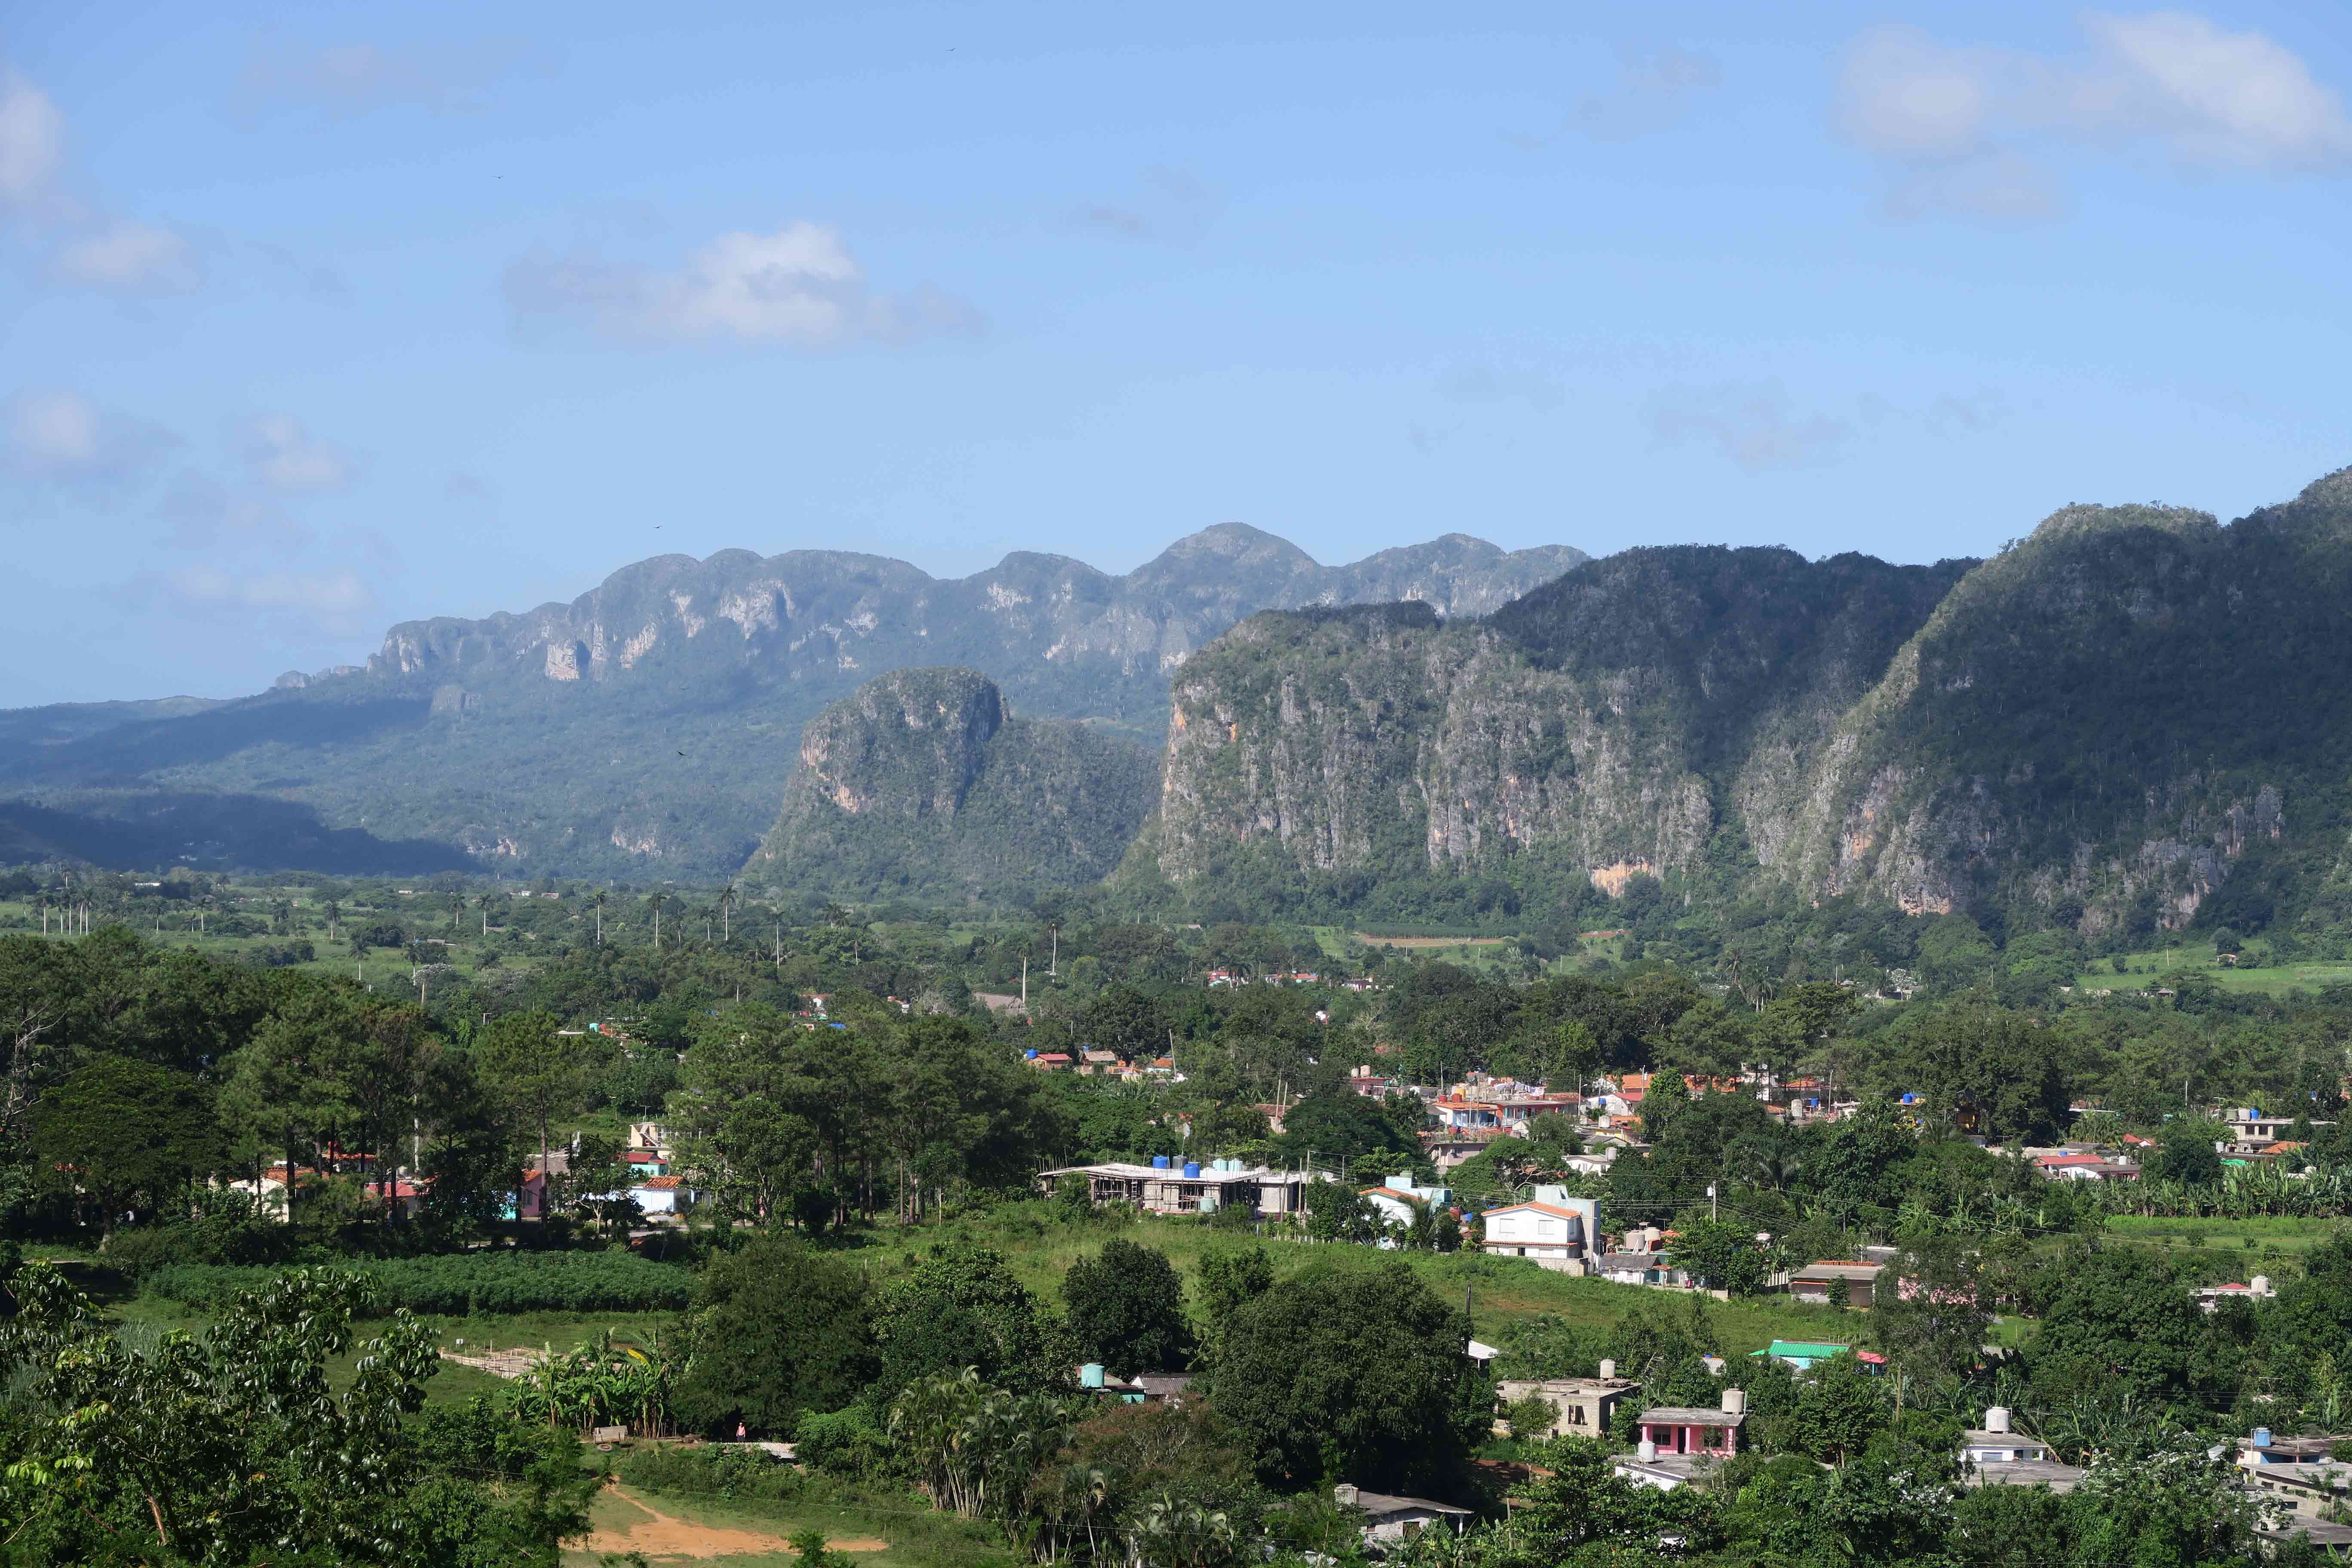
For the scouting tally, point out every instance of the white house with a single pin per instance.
(1559, 1235)
(664, 1195)
(1396, 1199)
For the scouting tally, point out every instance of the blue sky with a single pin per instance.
(316, 319)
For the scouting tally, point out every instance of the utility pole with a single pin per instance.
(1024, 987)
(1054, 961)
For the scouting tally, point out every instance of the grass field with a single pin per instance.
(1040, 1248)
(2250, 1243)
(2146, 969)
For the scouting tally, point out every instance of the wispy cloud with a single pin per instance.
(344, 80)
(797, 287)
(1501, 383)
(86, 247)
(124, 255)
(1651, 92)
(1970, 131)
(1168, 206)
(1757, 424)
(285, 456)
(57, 436)
(32, 140)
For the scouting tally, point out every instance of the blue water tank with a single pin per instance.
(2262, 1436)
(1191, 1169)
(1160, 1162)
(1030, 1053)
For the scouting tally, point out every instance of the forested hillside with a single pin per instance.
(2134, 719)
(645, 729)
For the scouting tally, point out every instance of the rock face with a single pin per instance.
(1603, 725)
(923, 784)
(647, 728)
(1060, 636)
(2134, 718)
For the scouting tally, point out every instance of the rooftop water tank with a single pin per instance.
(1191, 1169)
(2262, 1436)
(1735, 1402)
(1997, 1418)
(1647, 1451)
(1091, 1375)
(1608, 1370)
(1030, 1053)
(1160, 1162)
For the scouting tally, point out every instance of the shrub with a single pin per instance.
(459, 1284)
(712, 1472)
(845, 1443)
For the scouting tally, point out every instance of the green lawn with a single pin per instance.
(2272, 1240)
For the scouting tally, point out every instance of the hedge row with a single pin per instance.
(459, 1284)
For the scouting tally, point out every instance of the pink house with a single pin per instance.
(1694, 1429)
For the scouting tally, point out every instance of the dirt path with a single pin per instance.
(660, 1535)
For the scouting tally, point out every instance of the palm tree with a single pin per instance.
(596, 900)
(658, 904)
(726, 912)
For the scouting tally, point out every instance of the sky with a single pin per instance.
(316, 319)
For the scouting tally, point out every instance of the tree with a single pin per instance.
(1722, 1254)
(961, 1307)
(1126, 1308)
(1346, 1374)
(1838, 1410)
(1229, 1279)
(775, 1330)
(294, 1081)
(1931, 1310)
(539, 1071)
(238, 1447)
(2121, 1321)
(124, 1133)
(2185, 1152)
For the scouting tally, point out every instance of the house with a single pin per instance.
(2074, 1167)
(2246, 1131)
(1581, 1405)
(1047, 1061)
(1848, 1282)
(653, 1135)
(1091, 1062)
(2211, 1296)
(645, 1162)
(1694, 1429)
(1397, 1199)
(659, 1196)
(1447, 1150)
(1996, 1443)
(1556, 1236)
(1390, 1518)
(1170, 1187)
(1807, 1354)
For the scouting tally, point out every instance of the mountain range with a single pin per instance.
(2134, 718)
(646, 732)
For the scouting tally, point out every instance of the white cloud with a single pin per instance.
(57, 435)
(1970, 131)
(2217, 100)
(1754, 424)
(355, 78)
(130, 258)
(32, 140)
(285, 456)
(88, 247)
(798, 288)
